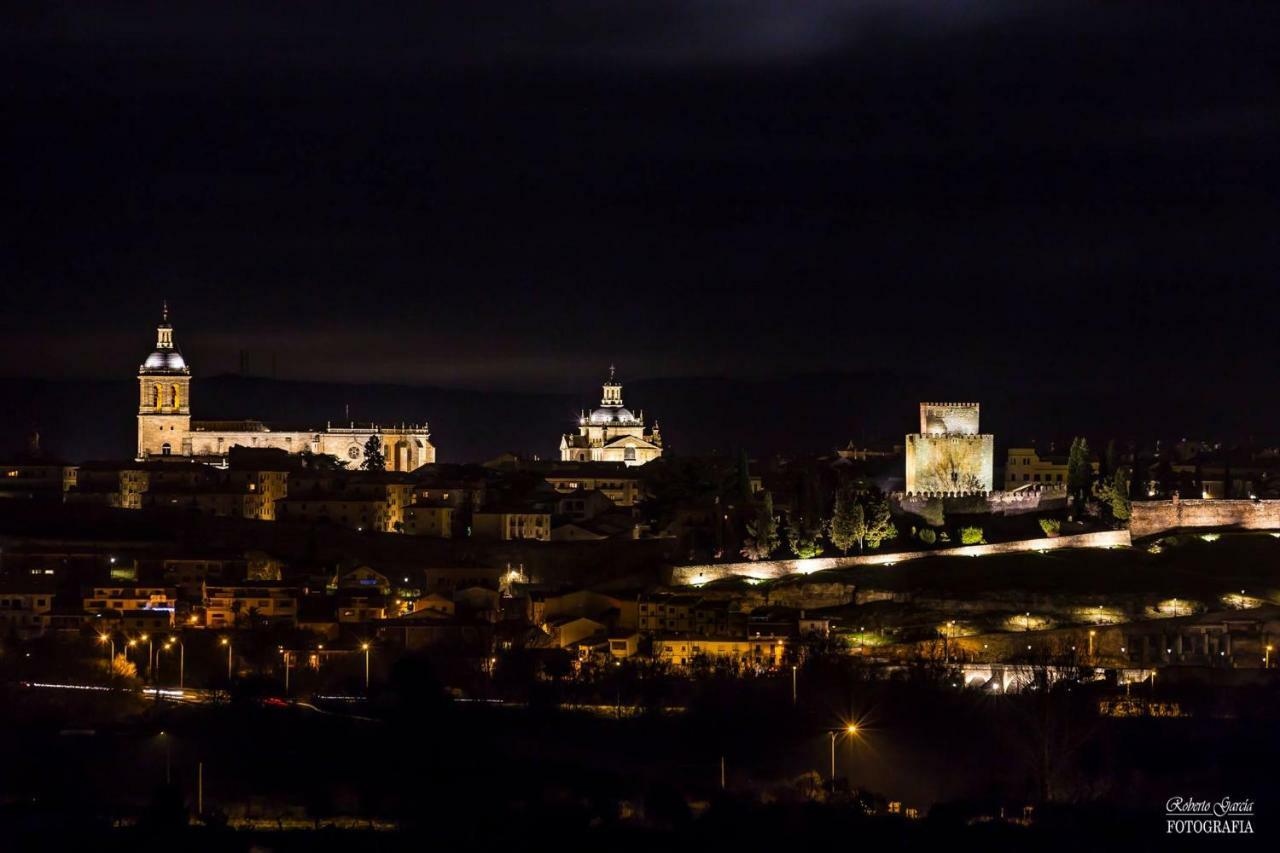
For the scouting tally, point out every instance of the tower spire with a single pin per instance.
(164, 311)
(612, 390)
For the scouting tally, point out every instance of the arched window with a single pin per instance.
(165, 449)
(176, 397)
(155, 396)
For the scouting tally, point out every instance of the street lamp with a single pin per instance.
(168, 758)
(182, 661)
(1266, 658)
(1092, 634)
(851, 730)
(150, 664)
(168, 644)
(793, 684)
(227, 643)
(286, 670)
(365, 648)
(107, 638)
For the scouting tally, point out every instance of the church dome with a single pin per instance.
(602, 416)
(165, 359)
(625, 416)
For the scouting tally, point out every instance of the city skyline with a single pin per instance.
(639, 423)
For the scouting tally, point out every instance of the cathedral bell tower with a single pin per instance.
(612, 391)
(164, 401)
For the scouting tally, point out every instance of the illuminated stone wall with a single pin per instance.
(772, 569)
(949, 463)
(405, 449)
(935, 509)
(1150, 518)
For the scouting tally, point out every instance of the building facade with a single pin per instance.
(1025, 467)
(612, 433)
(949, 454)
(165, 426)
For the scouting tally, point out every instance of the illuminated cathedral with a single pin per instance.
(612, 432)
(165, 426)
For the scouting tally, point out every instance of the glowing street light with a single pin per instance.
(107, 638)
(150, 662)
(1266, 658)
(851, 730)
(168, 757)
(226, 642)
(365, 648)
(287, 661)
(182, 660)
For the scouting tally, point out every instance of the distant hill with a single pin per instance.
(799, 414)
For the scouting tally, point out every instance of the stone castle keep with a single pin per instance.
(165, 427)
(949, 455)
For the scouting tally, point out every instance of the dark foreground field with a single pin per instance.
(468, 776)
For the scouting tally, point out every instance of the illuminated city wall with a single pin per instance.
(773, 569)
(1150, 518)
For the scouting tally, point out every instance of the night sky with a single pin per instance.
(507, 195)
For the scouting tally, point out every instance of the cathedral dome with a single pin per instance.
(165, 359)
(602, 416)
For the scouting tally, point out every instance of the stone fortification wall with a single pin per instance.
(772, 569)
(1151, 518)
(935, 506)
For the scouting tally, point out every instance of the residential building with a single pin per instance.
(683, 651)
(35, 475)
(24, 610)
(1027, 467)
(615, 480)
(248, 604)
(435, 519)
(152, 605)
(508, 523)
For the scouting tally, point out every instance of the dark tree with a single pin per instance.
(374, 459)
(1079, 470)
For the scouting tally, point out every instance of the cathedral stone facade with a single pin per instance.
(949, 455)
(612, 433)
(165, 427)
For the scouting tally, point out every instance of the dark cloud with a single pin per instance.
(515, 194)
